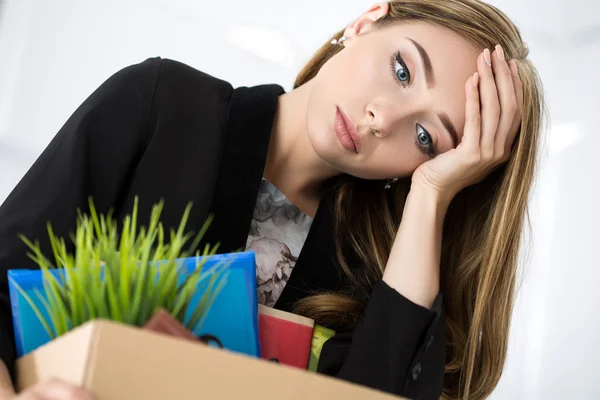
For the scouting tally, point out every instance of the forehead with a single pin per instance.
(453, 59)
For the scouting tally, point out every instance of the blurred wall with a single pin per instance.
(53, 54)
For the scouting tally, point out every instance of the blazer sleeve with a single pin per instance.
(398, 347)
(91, 155)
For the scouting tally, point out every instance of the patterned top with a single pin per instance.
(277, 234)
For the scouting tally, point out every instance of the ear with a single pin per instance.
(364, 23)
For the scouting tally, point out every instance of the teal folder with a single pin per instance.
(232, 318)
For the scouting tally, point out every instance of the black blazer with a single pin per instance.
(163, 130)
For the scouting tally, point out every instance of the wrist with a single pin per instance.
(430, 197)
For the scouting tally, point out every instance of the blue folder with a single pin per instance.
(232, 318)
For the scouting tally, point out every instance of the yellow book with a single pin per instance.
(320, 336)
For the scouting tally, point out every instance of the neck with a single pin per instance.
(292, 165)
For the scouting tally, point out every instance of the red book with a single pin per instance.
(163, 322)
(284, 337)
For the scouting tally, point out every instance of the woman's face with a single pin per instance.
(402, 89)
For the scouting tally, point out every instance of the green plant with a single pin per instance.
(123, 277)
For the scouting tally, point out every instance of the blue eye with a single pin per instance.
(399, 70)
(423, 137)
(424, 142)
(401, 73)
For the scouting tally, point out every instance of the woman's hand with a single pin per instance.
(489, 132)
(50, 390)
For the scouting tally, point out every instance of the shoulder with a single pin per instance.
(179, 78)
(158, 76)
(173, 97)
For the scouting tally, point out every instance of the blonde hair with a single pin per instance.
(483, 226)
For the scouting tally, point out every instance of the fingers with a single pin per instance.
(6, 387)
(53, 389)
(56, 389)
(472, 131)
(490, 105)
(508, 103)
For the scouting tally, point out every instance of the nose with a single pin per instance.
(382, 118)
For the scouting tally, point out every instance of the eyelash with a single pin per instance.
(397, 59)
(427, 150)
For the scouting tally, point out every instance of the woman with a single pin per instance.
(397, 170)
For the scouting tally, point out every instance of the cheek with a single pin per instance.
(330, 89)
(366, 80)
(348, 81)
(354, 77)
(395, 158)
(320, 115)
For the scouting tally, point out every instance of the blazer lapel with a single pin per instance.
(245, 144)
(317, 268)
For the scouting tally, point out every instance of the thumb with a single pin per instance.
(6, 386)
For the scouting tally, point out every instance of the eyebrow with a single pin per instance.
(430, 79)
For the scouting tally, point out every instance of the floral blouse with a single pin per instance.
(277, 234)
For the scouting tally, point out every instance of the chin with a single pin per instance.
(324, 143)
(336, 157)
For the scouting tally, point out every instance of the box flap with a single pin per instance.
(120, 362)
(130, 363)
(68, 353)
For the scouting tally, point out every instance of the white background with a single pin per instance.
(53, 54)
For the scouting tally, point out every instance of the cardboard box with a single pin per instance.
(120, 362)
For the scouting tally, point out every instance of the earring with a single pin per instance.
(390, 182)
(339, 41)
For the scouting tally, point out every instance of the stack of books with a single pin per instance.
(290, 339)
(235, 320)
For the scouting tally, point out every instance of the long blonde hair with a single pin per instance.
(483, 226)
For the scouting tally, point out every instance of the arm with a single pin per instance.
(92, 155)
(399, 347)
(413, 267)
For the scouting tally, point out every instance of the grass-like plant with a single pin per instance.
(124, 277)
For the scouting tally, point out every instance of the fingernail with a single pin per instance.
(500, 52)
(475, 79)
(487, 58)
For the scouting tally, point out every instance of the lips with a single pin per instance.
(346, 132)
